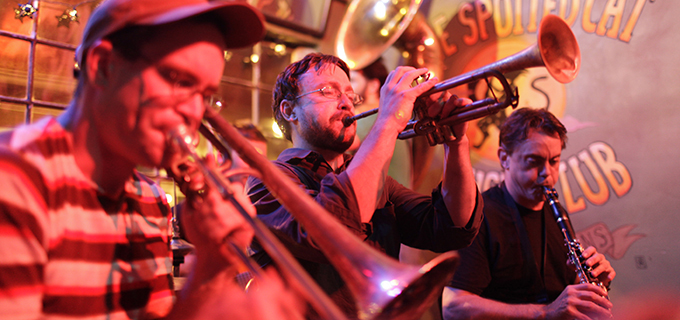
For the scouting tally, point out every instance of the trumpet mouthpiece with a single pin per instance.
(347, 121)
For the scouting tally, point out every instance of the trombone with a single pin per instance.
(383, 288)
(557, 50)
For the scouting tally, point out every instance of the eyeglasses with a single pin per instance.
(333, 93)
(184, 87)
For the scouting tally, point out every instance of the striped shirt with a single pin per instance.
(66, 250)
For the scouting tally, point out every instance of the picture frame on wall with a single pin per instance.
(309, 17)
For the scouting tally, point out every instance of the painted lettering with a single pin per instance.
(473, 37)
(600, 197)
(449, 48)
(571, 204)
(508, 17)
(613, 9)
(573, 13)
(502, 12)
(533, 12)
(606, 160)
(630, 25)
(519, 29)
(587, 24)
(548, 7)
(483, 13)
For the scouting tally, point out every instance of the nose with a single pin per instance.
(548, 172)
(544, 171)
(346, 103)
(192, 110)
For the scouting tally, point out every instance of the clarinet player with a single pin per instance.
(516, 267)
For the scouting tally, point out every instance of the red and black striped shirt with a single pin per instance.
(66, 250)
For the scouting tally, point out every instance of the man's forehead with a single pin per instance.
(175, 36)
(540, 144)
(327, 74)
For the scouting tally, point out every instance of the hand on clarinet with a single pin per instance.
(599, 265)
(580, 301)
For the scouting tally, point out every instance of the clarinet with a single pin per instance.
(575, 249)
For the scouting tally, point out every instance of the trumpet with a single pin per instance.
(383, 288)
(574, 246)
(557, 50)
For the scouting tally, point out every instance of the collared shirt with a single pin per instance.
(403, 217)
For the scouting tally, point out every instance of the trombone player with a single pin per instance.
(311, 98)
(85, 235)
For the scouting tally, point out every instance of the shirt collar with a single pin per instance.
(311, 160)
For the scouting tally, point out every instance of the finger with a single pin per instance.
(210, 161)
(610, 276)
(436, 103)
(591, 292)
(396, 74)
(459, 128)
(595, 260)
(191, 179)
(599, 267)
(425, 86)
(407, 76)
(453, 104)
(588, 252)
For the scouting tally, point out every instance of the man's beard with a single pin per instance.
(325, 138)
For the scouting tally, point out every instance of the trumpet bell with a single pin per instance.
(559, 49)
(556, 49)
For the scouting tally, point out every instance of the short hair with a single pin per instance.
(517, 126)
(287, 83)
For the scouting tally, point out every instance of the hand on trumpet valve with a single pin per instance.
(398, 95)
(441, 105)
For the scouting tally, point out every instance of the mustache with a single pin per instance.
(341, 116)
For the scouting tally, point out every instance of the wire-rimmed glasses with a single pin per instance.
(333, 93)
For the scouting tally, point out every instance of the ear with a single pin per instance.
(287, 109)
(503, 157)
(98, 62)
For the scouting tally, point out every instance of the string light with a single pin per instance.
(24, 10)
(69, 15)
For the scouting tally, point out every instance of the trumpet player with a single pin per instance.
(84, 235)
(516, 267)
(311, 98)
